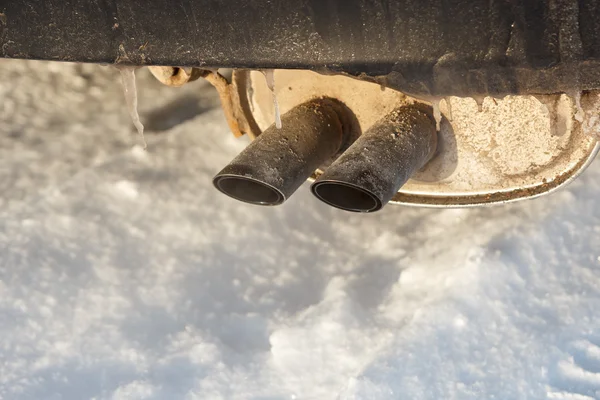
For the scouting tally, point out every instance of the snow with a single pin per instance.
(125, 275)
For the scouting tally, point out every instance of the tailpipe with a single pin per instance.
(368, 175)
(278, 161)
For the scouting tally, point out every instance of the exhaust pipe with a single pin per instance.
(278, 161)
(372, 170)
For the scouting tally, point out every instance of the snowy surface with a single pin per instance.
(125, 275)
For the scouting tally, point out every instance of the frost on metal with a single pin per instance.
(130, 90)
(270, 77)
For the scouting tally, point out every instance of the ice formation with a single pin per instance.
(130, 90)
(270, 77)
(479, 100)
(579, 114)
(437, 113)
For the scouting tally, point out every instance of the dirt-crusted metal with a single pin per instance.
(274, 165)
(368, 175)
(420, 47)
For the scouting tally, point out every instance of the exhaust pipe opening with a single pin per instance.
(249, 190)
(368, 175)
(346, 196)
(278, 161)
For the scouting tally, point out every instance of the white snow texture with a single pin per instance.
(125, 275)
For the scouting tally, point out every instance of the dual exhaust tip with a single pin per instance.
(364, 178)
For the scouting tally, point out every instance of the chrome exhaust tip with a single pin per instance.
(278, 161)
(368, 175)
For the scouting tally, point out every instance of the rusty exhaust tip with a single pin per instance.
(276, 163)
(368, 175)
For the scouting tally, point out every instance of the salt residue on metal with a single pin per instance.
(520, 136)
(130, 90)
(491, 144)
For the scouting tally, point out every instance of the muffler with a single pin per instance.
(372, 170)
(278, 161)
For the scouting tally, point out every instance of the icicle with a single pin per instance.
(592, 127)
(270, 77)
(479, 100)
(130, 90)
(449, 108)
(592, 124)
(542, 101)
(550, 103)
(579, 114)
(437, 113)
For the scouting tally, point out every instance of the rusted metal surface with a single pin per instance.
(228, 92)
(232, 105)
(175, 76)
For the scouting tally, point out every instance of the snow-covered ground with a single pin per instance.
(125, 275)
